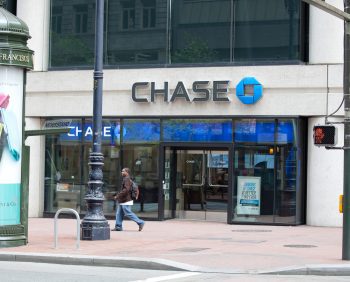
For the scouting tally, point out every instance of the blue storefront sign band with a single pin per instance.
(257, 131)
(110, 132)
(145, 131)
(10, 196)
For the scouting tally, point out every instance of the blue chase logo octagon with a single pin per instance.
(249, 90)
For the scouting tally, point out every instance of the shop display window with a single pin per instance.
(143, 163)
(67, 169)
(266, 185)
(63, 169)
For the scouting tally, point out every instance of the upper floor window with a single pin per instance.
(56, 19)
(163, 32)
(149, 14)
(128, 18)
(81, 18)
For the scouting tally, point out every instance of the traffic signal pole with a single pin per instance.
(346, 85)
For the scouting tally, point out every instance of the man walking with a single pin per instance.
(125, 202)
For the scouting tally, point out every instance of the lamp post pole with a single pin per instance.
(94, 226)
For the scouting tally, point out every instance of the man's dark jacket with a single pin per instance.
(124, 194)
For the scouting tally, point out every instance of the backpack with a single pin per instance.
(134, 191)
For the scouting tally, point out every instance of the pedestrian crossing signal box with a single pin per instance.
(325, 135)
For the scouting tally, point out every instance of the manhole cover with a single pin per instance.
(300, 246)
(252, 230)
(191, 250)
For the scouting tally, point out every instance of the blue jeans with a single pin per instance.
(125, 210)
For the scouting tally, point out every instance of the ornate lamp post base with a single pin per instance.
(94, 225)
(95, 231)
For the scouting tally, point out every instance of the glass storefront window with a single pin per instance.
(143, 163)
(266, 181)
(286, 169)
(265, 171)
(141, 131)
(67, 170)
(63, 170)
(204, 130)
(286, 131)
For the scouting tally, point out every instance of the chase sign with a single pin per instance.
(249, 90)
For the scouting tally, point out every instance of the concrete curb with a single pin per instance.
(315, 269)
(163, 264)
(129, 262)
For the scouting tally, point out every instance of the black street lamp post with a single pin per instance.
(94, 226)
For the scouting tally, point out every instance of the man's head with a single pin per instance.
(125, 171)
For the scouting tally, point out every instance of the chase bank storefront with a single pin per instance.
(233, 169)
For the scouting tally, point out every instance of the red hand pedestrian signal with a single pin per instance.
(319, 135)
(324, 135)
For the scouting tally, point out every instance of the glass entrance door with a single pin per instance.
(195, 184)
(191, 198)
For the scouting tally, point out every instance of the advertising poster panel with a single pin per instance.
(11, 108)
(248, 195)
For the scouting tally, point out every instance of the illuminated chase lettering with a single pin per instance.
(75, 131)
(146, 92)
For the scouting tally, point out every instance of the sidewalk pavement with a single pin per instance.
(191, 246)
